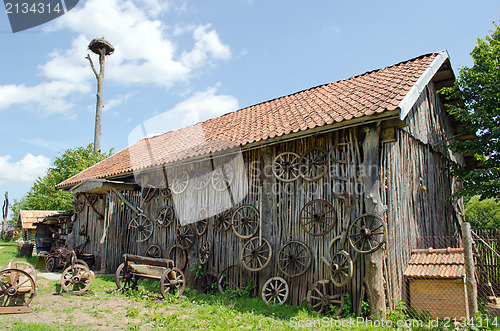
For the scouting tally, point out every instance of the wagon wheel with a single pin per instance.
(275, 291)
(367, 233)
(286, 167)
(313, 163)
(142, 225)
(231, 279)
(201, 178)
(334, 246)
(165, 216)
(154, 251)
(322, 296)
(202, 224)
(245, 221)
(172, 281)
(317, 217)
(125, 280)
(208, 283)
(76, 279)
(222, 177)
(341, 268)
(176, 254)
(78, 203)
(93, 198)
(222, 221)
(294, 258)
(205, 251)
(17, 288)
(24, 266)
(185, 236)
(180, 182)
(50, 264)
(148, 193)
(166, 192)
(255, 256)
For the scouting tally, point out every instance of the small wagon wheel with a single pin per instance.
(256, 256)
(154, 251)
(222, 221)
(222, 177)
(313, 164)
(50, 264)
(286, 167)
(180, 182)
(231, 278)
(177, 254)
(275, 291)
(317, 217)
(76, 279)
(148, 193)
(124, 279)
(208, 282)
(142, 226)
(294, 258)
(165, 216)
(17, 288)
(245, 221)
(341, 268)
(166, 192)
(367, 233)
(172, 281)
(205, 251)
(201, 178)
(78, 203)
(185, 236)
(322, 295)
(202, 224)
(24, 266)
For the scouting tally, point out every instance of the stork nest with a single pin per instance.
(97, 44)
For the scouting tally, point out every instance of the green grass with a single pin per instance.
(9, 251)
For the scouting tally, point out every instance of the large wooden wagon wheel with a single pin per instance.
(79, 203)
(17, 288)
(294, 258)
(148, 193)
(142, 227)
(154, 251)
(245, 221)
(172, 281)
(275, 291)
(165, 216)
(231, 278)
(256, 256)
(313, 164)
(205, 252)
(185, 236)
(286, 167)
(223, 218)
(201, 178)
(341, 268)
(317, 217)
(124, 279)
(180, 182)
(76, 279)
(208, 283)
(367, 233)
(222, 177)
(24, 266)
(177, 254)
(322, 296)
(202, 224)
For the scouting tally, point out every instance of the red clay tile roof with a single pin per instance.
(436, 263)
(364, 95)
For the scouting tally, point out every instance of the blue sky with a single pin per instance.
(196, 60)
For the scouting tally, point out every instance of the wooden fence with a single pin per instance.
(490, 259)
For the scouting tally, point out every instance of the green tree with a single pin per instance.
(477, 90)
(483, 214)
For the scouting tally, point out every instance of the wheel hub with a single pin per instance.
(366, 232)
(11, 291)
(325, 300)
(335, 267)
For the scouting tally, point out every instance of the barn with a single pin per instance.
(324, 192)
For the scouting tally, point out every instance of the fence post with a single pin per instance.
(469, 269)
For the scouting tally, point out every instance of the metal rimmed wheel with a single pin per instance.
(202, 224)
(294, 258)
(275, 291)
(142, 227)
(172, 281)
(313, 164)
(50, 264)
(367, 233)
(232, 278)
(201, 178)
(180, 182)
(78, 203)
(222, 177)
(177, 254)
(245, 221)
(322, 296)
(341, 268)
(154, 251)
(205, 252)
(17, 288)
(286, 167)
(255, 256)
(165, 216)
(76, 279)
(208, 283)
(317, 217)
(124, 279)
(222, 219)
(185, 236)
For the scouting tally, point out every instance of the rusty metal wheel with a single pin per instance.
(165, 216)
(76, 279)
(222, 219)
(286, 167)
(205, 251)
(341, 268)
(275, 291)
(245, 221)
(201, 178)
(154, 251)
(142, 227)
(322, 296)
(177, 254)
(17, 288)
(318, 217)
(255, 256)
(294, 258)
(124, 279)
(222, 177)
(232, 278)
(185, 236)
(313, 164)
(367, 233)
(79, 203)
(202, 224)
(172, 281)
(180, 182)
(208, 283)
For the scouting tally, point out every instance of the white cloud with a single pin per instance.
(120, 99)
(24, 171)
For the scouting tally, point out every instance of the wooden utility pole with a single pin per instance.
(102, 48)
(470, 279)
(5, 212)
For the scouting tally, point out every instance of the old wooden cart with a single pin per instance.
(17, 287)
